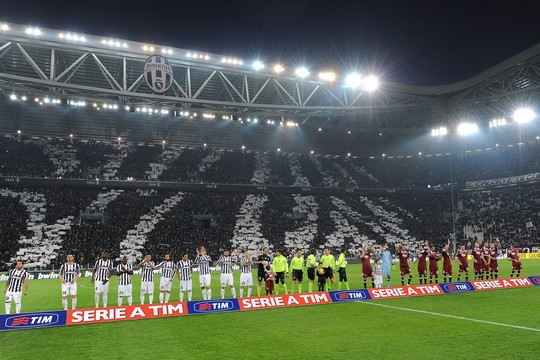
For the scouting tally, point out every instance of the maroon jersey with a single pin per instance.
(421, 257)
(403, 258)
(513, 254)
(463, 260)
(433, 258)
(477, 254)
(446, 257)
(485, 254)
(367, 270)
(269, 280)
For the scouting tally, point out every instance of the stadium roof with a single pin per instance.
(56, 83)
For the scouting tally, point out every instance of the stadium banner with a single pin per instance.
(405, 291)
(32, 320)
(121, 313)
(503, 181)
(350, 295)
(212, 306)
(496, 284)
(535, 280)
(529, 255)
(457, 287)
(274, 301)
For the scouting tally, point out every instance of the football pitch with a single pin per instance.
(495, 324)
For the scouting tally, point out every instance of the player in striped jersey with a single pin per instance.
(68, 275)
(100, 278)
(147, 278)
(185, 271)
(246, 277)
(204, 272)
(13, 289)
(124, 272)
(168, 270)
(226, 278)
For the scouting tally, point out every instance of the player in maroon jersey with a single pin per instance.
(462, 257)
(421, 258)
(404, 268)
(494, 264)
(478, 262)
(433, 267)
(486, 258)
(447, 262)
(367, 270)
(513, 255)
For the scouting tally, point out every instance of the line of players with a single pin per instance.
(485, 263)
(484, 259)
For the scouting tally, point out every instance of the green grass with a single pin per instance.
(346, 330)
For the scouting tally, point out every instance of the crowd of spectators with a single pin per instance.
(13, 219)
(137, 162)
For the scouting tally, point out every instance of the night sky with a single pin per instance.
(412, 41)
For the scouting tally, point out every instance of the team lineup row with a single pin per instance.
(270, 271)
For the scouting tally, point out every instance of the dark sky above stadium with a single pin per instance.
(412, 41)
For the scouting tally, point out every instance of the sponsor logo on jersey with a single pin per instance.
(457, 287)
(350, 295)
(32, 320)
(199, 307)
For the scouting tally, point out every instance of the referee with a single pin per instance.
(297, 270)
(342, 264)
(311, 264)
(280, 269)
(329, 264)
(262, 260)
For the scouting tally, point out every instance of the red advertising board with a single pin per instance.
(496, 284)
(275, 301)
(405, 291)
(121, 313)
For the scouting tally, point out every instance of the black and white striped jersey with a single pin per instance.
(226, 263)
(123, 277)
(185, 268)
(147, 273)
(204, 264)
(102, 269)
(68, 271)
(168, 269)
(246, 265)
(16, 280)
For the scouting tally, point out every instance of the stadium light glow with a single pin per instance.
(440, 131)
(257, 65)
(497, 122)
(278, 69)
(327, 76)
(13, 97)
(353, 80)
(148, 48)
(24, 98)
(302, 72)
(243, 147)
(33, 31)
(278, 149)
(291, 124)
(19, 132)
(4, 27)
(312, 152)
(72, 37)
(370, 83)
(524, 115)
(465, 129)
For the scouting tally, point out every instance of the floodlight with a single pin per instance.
(278, 68)
(302, 72)
(353, 80)
(523, 115)
(465, 129)
(257, 65)
(327, 76)
(371, 83)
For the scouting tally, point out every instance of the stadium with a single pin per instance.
(133, 148)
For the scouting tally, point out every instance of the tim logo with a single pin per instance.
(535, 280)
(158, 74)
(457, 287)
(214, 306)
(27, 321)
(354, 295)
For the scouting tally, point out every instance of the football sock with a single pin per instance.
(402, 281)
(292, 288)
(372, 284)
(233, 290)
(8, 307)
(258, 290)
(17, 308)
(208, 294)
(105, 298)
(167, 296)
(119, 301)
(204, 294)
(249, 291)
(512, 274)
(142, 299)
(130, 300)
(285, 287)
(310, 287)
(410, 279)
(161, 298)
(64, 304)
(150, 298)
(181, 296)
(74, 303)
(347, 286)
(339, 285)
(365, 284)
(518, 272)
(96, 299)
(496, 274)
(222, 293)
(241, 292)
(189, 295)
(299, 288)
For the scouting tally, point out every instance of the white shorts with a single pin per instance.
(69, 289)
(205, 280)
(13, 296)
(226, 279)
(125, 290)
(186, 285)
(147, 287)
(165, 284)
(99, 287)
(246, 279)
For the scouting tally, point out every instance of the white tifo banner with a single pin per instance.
(503, 181)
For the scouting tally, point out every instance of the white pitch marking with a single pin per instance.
(451, 316)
